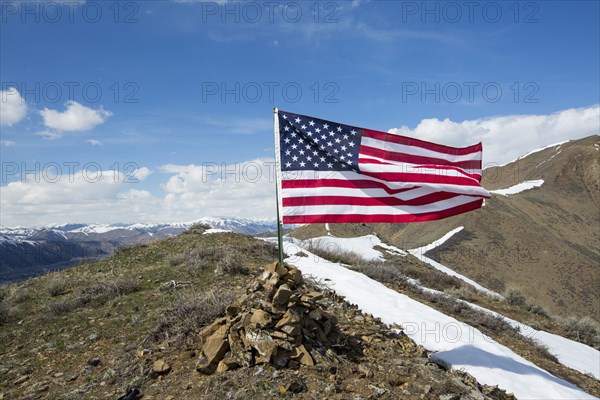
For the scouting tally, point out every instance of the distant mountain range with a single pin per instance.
(27, 252)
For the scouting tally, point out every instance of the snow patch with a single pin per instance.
(455, 343)
(363, 246)
(518, 188)
(215, 230)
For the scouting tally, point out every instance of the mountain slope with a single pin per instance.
(543, 241)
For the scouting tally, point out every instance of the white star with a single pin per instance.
(325, 126)
(323, 137)
(322, 147)
(295, 158)
(342, 157)
(335, 151)
(309, 133)
(348, 162)
(307, 146)
(339, 128)
(349, 155)
(330, 165)
(294, 146)
(300, 140)
(353, 132)
(297, 120)
(315, 153)
(293, 134)
(331, 133)
(329, 144)
(309, 158)
(316, 165)
(288, 165)
(351, 144)
(303, 127)
(343, 148)
(287, 128)
(284, 116)
(322, 159)
(287, 152)
(337, 140)
(301, 152)
(316, 140)
(287, 140)
(312, 123)
(302, 164)
(346, 137)
(318, 130)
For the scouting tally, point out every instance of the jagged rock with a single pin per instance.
(161, 367)
(261, 319)
(278, 322)
(282, 295)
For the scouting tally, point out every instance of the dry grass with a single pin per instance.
(381, 272)
(334, 253)
(584, 330)
(515, 298)
(188, 314)
(4, 313)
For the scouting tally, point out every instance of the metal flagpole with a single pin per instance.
(278, 183)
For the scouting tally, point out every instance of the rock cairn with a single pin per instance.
(279, 321)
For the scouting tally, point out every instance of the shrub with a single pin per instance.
(381, 272)
(176, 259)
(189, 313)
(515, 298)
(61, 307)
(4, 313)
(333, 252)
(463, 292)
(57, 287)
(584, 330)
(231, 263)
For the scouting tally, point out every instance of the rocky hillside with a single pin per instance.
(205, 316)
(542, 241)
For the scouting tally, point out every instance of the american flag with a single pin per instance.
(337, 173)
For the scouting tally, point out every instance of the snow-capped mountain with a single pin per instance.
(26, 252)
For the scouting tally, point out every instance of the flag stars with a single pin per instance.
(312, 123)
(325, 126)
(339, 128)
(297, 120)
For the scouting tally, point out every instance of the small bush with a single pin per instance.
(381, 272)
(4, 313)
(61, 307)
(464, 293)
(231, 263)
(57, 287)
(187, 315)
(584, 330)
(330, 251)
(176, 259)
(515, 298)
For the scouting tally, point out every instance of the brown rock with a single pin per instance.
(260, 319)
(295, 275)
(264, 344)
(303, 356)
(212, 328)
(282, 295)
(161, 367)
(292, 330)
(216, 345)
(222, 367)
(276, 268)
(315, 314)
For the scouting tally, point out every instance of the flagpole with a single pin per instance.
(278, 183)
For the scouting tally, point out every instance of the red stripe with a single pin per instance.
(365, 201)
(446, 167)
(390, 137)
(413, 159)
(421, 178)
(380, 218)
(340, 183)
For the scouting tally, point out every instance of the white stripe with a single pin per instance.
(357, 192)
(397, 166)
(371, 210)
(413, 168)
(417, 151)
(351, 175)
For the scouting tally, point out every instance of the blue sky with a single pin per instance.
(141, 85)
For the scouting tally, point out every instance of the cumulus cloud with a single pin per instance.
(75, 118)
(7, 143)
(13, 107)
(56, 194)
(94, 142)
(507, 137)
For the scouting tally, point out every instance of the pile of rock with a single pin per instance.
(279, 321)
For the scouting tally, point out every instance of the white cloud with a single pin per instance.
(13, 107)
(94, 142)
(505, 138)
(75, 118)
(87, 195)
(7, 143)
